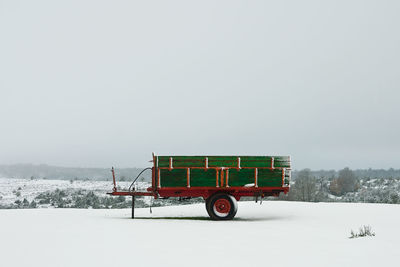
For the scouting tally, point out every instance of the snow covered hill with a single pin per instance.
(19, 190)
(272, 234)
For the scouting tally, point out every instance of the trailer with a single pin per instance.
(220, 180)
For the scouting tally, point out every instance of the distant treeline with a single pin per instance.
(29, 171)
(360, 173)
(346, 185)
(43, 171)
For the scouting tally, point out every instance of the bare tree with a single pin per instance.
(346, 182)
(305, 188)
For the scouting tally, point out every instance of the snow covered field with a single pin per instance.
(17, 189)
(272, 234)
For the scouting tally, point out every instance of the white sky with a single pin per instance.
(101, 83)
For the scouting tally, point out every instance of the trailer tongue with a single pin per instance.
(220, 180)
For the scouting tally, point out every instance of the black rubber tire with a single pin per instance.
(214, 215)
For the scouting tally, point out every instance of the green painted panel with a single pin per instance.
(267, 177)
(201, 177)
(255, 161)
(282, 163)
(173, 178)
(224, 161)
(241, 177)
(182, 161)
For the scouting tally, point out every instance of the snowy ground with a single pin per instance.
(272, 234)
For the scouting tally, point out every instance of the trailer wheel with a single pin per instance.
(221, 207)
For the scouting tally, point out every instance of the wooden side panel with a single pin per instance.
(241, 177)
(182, 161)
(173, 170)
(264, 161)
(201, 177)
(267, 177)
(224, 161)
(173, 178)
(282, 161)
(254, 162)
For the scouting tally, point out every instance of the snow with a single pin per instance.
(272, 234)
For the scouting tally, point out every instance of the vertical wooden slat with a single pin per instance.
(188, 177)
(158, 179)
(256, 177)
(217, 179)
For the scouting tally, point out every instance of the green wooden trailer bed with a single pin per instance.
(220, 180)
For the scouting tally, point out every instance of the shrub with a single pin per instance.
(362, 232)
(33, 204)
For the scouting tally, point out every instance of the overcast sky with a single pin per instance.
(101, 83)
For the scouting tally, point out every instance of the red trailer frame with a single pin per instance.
(222, 186)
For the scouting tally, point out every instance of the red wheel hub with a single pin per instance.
(222, 205)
